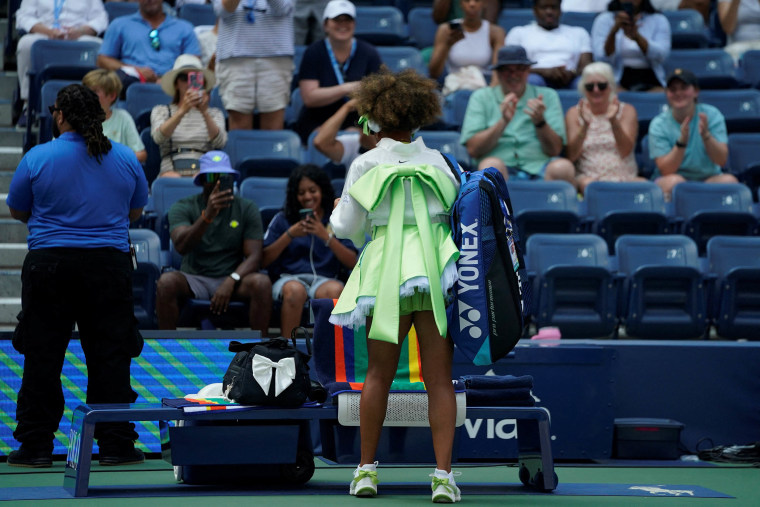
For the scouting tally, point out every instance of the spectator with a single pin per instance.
(465, 42)
(188, 127)
(301, 253)
(207, 40)
(331, 69)
(689, 140)
(447, 10)
(560, 51)
(46, 19)
(254, 60)
(342, 149)
(517, 127)
(740, 19)
(701, 6)
(584, 5)
(636, 44)
(77, 195)
(142, 47)
(219, 237)
(601, 130)
(307, 28)
(118, 125)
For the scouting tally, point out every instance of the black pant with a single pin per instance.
(61, 287)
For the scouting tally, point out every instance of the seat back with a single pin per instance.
(647, 105)
(447, 142)
(422, 28)
(147, 246)
(713, 67)
(293, 109)
(740, 108)
(743, 159)
(167, 191)
(265, 192)
(197, 14)
(152, 165)
(380, 25)
(118, 9)
(634, 251)
(547, 250)
(510, 18)
(725, 253)
(455, 106)
(568, 99)
(750, 67)
(48, 96)
(687, 29)
(316, 157)
(399, 58)
(584, 20)
(691, 197)
(141, 99)
(264, 152)
(544, 207)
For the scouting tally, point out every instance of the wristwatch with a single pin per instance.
(235, 277)
(679, 144)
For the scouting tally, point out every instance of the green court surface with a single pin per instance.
(152, 483)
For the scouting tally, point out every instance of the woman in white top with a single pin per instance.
(740, 19)
(471, 40)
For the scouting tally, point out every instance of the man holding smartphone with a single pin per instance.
(220, 238)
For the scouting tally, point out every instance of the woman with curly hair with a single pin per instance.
(404, 191)
(301, 254)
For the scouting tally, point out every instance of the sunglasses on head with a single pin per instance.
(155, 42)
(590, 86)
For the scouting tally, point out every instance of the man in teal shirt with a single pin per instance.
(516, 127)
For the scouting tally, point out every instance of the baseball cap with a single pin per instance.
(337, 8)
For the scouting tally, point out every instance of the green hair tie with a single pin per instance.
(364, 124)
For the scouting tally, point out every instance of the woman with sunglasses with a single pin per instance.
(187, 128)
(601, 130)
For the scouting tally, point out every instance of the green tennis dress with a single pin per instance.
(407, 266)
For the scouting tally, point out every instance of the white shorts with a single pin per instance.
(261, 84)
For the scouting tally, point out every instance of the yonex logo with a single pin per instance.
(467, 316)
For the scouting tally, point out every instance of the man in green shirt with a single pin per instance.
(220, 238)
(516, 127)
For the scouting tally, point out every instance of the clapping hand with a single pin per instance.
(535, 109)
(508, 106)
(585, 112)
(704, 131)
(613, 109)
(684, 138)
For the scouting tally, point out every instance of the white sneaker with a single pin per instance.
(445, 489)
(365, 481)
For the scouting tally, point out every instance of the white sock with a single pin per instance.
(443, 474)
(369, 467)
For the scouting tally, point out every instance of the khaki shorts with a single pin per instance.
(261, 84)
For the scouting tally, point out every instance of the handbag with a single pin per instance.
(268, 373)
(185, 166)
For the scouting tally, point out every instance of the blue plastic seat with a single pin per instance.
(399, 58)
(165, 192)
(743, 159)
(141, 99)
(625, 208)
(740, 108)
(510, 18)
(380, 25)
(446, 141)
(735, 262)
(455, 106)
(48, 95)
(663, 293)
(147, 247)
(575, 288)
(544, 207)
(265, 192)
(316, 157)
(197, 14)
(750, 67)
(264, 152)
(568, 99)
(152, 165)
(118, 9)
(712, 209)
(687, 29)
(293, 109)
(584, 20)
(713, 67)
(647, 105)
(422, 28)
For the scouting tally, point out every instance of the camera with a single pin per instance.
(226, 181)
(627, 8)
(306, 213)
(455, 25)
(195, 80)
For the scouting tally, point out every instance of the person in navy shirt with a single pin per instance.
(77, 194)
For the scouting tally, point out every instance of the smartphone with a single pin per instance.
(306, 213)
(627, 8)
(226, 181)
(195, 80)
(455, 25)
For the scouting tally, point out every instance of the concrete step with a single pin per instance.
(9, 308)
(10, 156)
(4, 211)
(6, 111)
(11, 137)
(3, 28)
(10, 283)
(6, 176)
(12, 255)
(8, 83)
(12, 231)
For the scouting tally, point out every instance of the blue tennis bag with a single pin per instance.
(492, 297)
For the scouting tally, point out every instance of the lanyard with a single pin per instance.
(340, 71)
(57, 8)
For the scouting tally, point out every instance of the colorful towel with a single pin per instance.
(192, 403)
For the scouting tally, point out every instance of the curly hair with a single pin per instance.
(398, 102)
(318, 176)
(81, 109)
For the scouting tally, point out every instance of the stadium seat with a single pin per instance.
(647, 106)
(141, 99)
(118, 9)
(744, 159)
(575, 288)
(398, 58)
(48, 95)
(264, 152)
(197, 14)
(544, 207)
(740, 108)
(625, 208)
(510, 18)
(446, 142)
(152, 165)
(750, 67)
(422, 28)
(316, 157)
(568, 99)
(165, 192)
(147, 246)
(55, 59)
(663, 292)
(712, 209)
(736, 304)
(687, 29)
(455, 106)
(380, 25)
(337, 184)
(584, 20)
(646, 165)
(265, 192)
(293, 109)
(713, 67)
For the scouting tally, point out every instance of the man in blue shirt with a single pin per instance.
(142, 47)
(77, 194)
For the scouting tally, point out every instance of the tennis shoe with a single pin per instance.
(365, 481)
